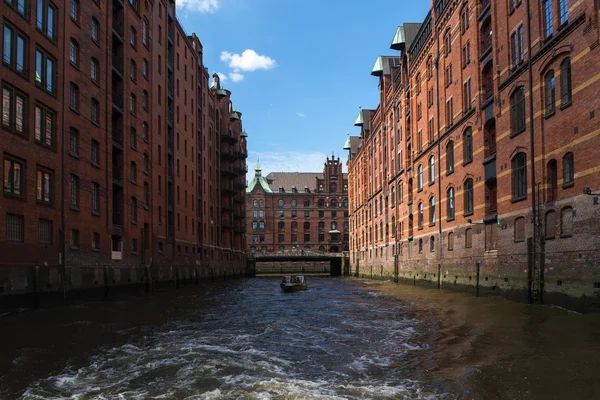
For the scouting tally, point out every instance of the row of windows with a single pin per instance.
(260, 225)
(294, 238)
(294, 203)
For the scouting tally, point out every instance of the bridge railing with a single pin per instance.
(299, 253)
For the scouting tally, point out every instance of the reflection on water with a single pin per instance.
(341, 339)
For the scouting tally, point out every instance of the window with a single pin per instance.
(74, 52)
(450, 157)
(421, 215)
(517, 113)
(14, 110)
(519, 233)
(568, 169)
(565, 81)
(132, 138)
(147, 195)
(95, 152)
(94, 113)
(432, 244)
(134, 4)
(14, 177)
(74, 192)
(45, 235)
(431, 169)
(468, 146)
(146, 163)
(133, 210)
(44, 126)
(550, 92)
(448, 75)
(14, 49)
(19, 5)
(280, 203)
(145, 68)
(73, 96)
(132, 105)
(145, 100)
(73, 142)
(464, 19)
(44, 71)
(132, 37)
(447, 42)
(449, 113)
(517, 46)
(450, 204)
(519, 176)
(432, 211)
(145, 32)
(450, 241)
(548, 17)
(44, 191)
(132, 70)
(95, 25)
(550, 225)
(466, 55)
(468, 193)
(74, 10)
(563, 9)
(94, 70)
(468, 238)
(95, 241)
(95, 198)
(15, 229)
(46, 18)
(420, 177)
(418, 83)
(145, 133)
(467, 95)
(133, 172)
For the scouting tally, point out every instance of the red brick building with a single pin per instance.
(477, 166)
(298, 210)
(120, 162)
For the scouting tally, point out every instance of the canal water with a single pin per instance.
(341, 339)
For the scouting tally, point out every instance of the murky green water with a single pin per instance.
(341, 339)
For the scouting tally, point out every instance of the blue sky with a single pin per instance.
(302, 68)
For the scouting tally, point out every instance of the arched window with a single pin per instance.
(334, 203)
(294, 226)
(133, 70)
(94, 69)
(261, 225)
(519, 229)
(450, 203)
(431, 169)
(393, 226)
(133, 209)
(517, 110)
(133, 172)
(294, 203)
(448, 42)
(73, 96)
(565, 79)
(306, 203)
(418, 83)
(432, 244)
(307, 226)
(375, 206)
(519, 176)
(132, 37)
(345, 203)
(261, 203)
(333, 226)
(254, 225)
(550, 92)
(552, 179)
(280, 203)
(550, 224)
(380, 205)
(468, 238)
(420, 245)
(74, 52)
(566, 222)
(393, 196)
(321, 203)
(255, 203)
(450, 157)
(450, 241)
(421, 214)
(468, 145)
(420, 177)
(432, 211)
(468, 193)
(280, 226)
(568, 169)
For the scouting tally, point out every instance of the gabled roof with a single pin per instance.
(258, 180)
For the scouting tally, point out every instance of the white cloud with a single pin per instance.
(249, 60)
(235, 76)
(301, 114)
(222, 76)
(288, 161)
(204, 6)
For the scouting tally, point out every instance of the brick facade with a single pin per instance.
(112, 149)
(445, 160)
(298, 210)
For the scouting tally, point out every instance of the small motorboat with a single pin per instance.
(293, 283)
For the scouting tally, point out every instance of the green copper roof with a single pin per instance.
(399, 41)
(234, 115)
(347, 145)
(244, 134)
(359, 119)
(258, 180)
(221, 93)
(378, 67)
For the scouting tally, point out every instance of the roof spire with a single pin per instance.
(257, 169)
